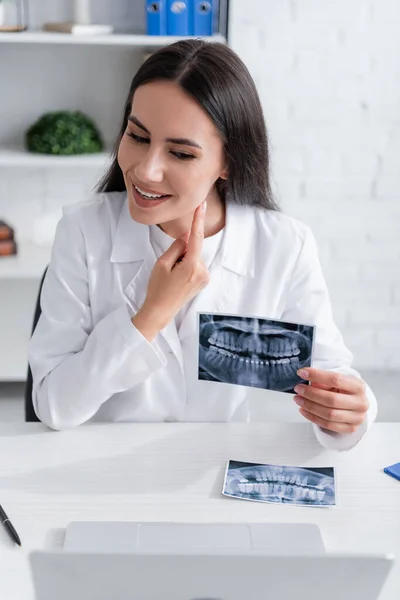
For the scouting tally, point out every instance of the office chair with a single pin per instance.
(30, 415)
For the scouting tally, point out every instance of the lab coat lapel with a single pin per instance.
(231, 271)
(137, 260)
(136, 292)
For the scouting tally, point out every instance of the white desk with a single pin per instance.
(174, 472)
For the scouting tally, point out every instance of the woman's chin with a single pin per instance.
(143, 216)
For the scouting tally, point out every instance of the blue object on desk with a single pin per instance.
(203, 11)
(393, 470)
(179, 17)
(156, 17)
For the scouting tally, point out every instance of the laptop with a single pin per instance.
(188, 576)
(181, 538)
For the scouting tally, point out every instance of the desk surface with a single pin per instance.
(175, 472)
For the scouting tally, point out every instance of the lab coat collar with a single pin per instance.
(132, 239)
(238, 244)
(237, 253)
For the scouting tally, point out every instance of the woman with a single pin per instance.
(185, 223)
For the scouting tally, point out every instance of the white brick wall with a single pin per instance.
(328, 76)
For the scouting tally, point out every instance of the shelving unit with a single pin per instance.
(18, 157)
(11, 156)
(141, 41)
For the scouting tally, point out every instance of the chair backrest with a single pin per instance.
(30, 415)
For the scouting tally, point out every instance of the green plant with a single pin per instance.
(64, 132)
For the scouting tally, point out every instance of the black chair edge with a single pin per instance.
(30, 415)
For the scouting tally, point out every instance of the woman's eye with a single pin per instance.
(142, 140)
(138, 138)
(183, 155)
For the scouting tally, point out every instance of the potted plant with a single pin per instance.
(64, 132)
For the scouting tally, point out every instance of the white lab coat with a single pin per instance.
(88, 360)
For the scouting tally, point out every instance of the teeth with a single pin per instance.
(146, 195)
(270, 486)
(277, 351)
(218, 347)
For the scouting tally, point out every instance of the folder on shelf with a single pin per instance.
(8, 245)
(179, 17)
(204, 12)
(6, 232)
(8, 248)
(156, 13)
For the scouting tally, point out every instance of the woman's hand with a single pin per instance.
(178, 275)
(333, 401)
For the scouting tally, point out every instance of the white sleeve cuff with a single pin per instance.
(346, 441)
(154, 354)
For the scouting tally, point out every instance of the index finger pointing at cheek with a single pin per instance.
(196, 238)
(346, 383)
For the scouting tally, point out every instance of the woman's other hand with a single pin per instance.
(333, 401)
(178, 275)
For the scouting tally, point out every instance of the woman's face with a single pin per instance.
(172, 149)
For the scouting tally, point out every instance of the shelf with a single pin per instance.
(16, 157)
(29, 263)
(114, 39)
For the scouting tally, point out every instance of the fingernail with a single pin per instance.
(302, 373)
(299, 400)
(204, 206)
(299, 389)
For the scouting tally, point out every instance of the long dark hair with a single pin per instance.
(215, 76)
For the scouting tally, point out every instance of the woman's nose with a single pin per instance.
(150, 167)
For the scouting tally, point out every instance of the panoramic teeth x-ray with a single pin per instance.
(313, 486)
(253, 352)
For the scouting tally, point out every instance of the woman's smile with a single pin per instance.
(147, 202)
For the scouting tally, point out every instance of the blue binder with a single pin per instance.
(156, 12)
(179, 17)
(203, 17)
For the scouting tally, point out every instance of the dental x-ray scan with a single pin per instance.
(253, 352)
(306, 486)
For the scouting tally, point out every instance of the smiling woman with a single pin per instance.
(184, 223)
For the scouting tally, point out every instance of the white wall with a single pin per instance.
(328, 73)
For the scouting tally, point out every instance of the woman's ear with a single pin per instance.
(224, 173)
